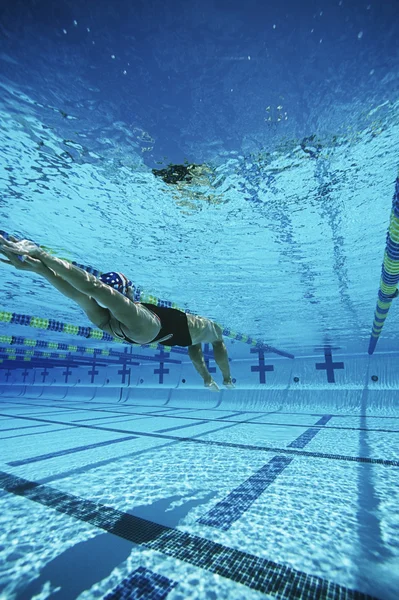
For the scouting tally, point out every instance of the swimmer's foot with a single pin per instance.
(212, 385)
(228, 383)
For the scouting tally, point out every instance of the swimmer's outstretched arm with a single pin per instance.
(57, 271)
(80, 280)
(94, 312)
(88, 285)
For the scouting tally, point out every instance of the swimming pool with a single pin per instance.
(237, 162)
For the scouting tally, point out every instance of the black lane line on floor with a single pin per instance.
(92, 403)
(142, 584)
(32, 459)
(256, 573)
(194, 439)
(232, 507)
(222, 420)
(324, 420)
(309, 434)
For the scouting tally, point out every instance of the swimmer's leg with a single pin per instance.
(95, 313)
(197, 358)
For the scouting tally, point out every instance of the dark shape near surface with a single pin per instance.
(175, 173)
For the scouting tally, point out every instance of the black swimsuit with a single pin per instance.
(174, 327)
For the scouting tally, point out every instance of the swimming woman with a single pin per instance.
(109, 304)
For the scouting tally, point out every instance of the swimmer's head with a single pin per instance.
(118, 281)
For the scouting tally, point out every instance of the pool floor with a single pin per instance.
(107, 500)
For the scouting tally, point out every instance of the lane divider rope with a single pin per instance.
(390, 273)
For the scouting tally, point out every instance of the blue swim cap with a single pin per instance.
(118, 281)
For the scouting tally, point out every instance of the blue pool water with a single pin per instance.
(121, 476)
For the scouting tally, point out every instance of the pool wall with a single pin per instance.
(167, 376)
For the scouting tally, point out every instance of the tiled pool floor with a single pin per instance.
(106, 500)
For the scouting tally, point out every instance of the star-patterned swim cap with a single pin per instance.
(118, 281)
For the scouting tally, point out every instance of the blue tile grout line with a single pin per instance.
(41, 457)
(90, 404)
(24, 427)
(181, 426)
(37, 433)
(247, 569)
(220, 419)
(194, 439)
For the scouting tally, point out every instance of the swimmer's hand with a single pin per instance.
(21, 247)
(20, 262)
(28, 264)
